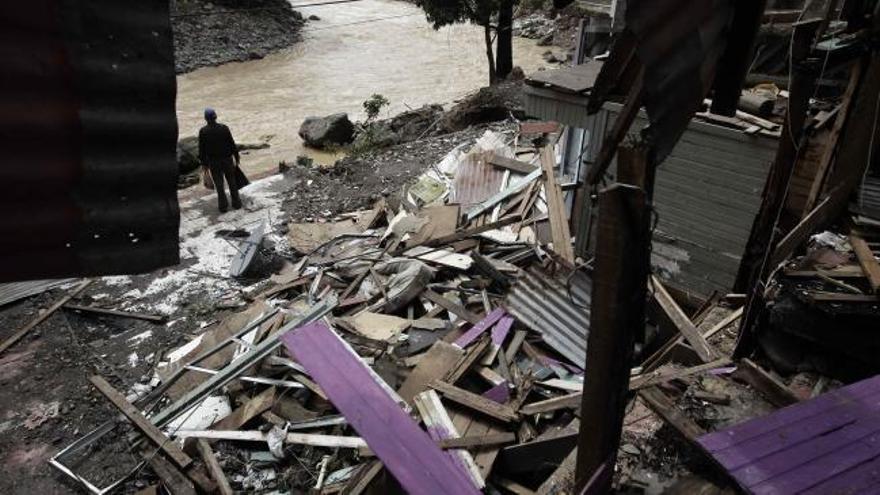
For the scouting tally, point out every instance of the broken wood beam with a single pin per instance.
(115, 312)
(661, 404)
(477, 441)
(433, 365)
(681, 321)
(255, 406)
(570, 401)
(517, 166)
(617, 316)
(452, 307)
(771, 388)
(150, 431)
(664, 375)
(440, 427)
(559, 228)
(214, 467)
(12, 340)
(866, 260)
(467, 361)
(475, 402)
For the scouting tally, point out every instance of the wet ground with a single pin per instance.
(355, 50)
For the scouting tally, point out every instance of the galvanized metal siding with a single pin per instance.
(559, 312)
(707, 192)
(89, 132)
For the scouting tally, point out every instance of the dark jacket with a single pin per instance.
(216, 144)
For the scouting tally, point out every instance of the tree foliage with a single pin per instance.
(493, 15)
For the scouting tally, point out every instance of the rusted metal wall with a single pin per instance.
(88, 131)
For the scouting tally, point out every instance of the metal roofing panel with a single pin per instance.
(14, 291)
(558, 308)
(89, 134)
(476, 180)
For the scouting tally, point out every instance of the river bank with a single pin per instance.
(210, 33)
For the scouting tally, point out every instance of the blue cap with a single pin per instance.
(210, 114)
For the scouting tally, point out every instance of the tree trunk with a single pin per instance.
(504, 47)
(487, 32)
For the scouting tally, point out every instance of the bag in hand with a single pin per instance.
(207, 180)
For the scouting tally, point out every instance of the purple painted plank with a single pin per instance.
(499, 393)
(863, 479)
(478, 329)
(781, 462)
(753, 449)
(500, 331)
(858, 392)
(824, 468)
(405, 449)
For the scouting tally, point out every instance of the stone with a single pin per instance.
(313, 17)
(323, 132)
(188, 154)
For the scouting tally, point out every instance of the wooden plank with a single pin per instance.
(512, 486)
(467, 361)
(490, 439)
(464, 234)
(175, 481)
(562, 479)
(115, 312)
(517, 166)
(803, 230)
(771, 388)
(556, 207)
(570, 401)
(839, 297)
(259, 404)
(475, 402)
(828, 153)
(440, 427)
(140, 422)
(682, 322)
(724, 323)
(537, 454)
(14, 338)
(661, 404)
(664, 375)
(405, 449)
(360, 481)
(866, 260)
(434, 365)
(313, 439)
(450, 306)
(214, 467)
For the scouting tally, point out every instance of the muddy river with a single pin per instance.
(354, 50)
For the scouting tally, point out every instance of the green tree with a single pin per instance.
(481, 12)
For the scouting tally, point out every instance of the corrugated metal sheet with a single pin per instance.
(475, 180)
(868, 203)
(559, 312)
(14, 291)
(88, 129)
(706, 194)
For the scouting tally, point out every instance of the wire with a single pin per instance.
(366, 21)
(257, 9)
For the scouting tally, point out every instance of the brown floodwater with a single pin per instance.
(355, 50)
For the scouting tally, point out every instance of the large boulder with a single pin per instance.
(323, 132)
(188, 154)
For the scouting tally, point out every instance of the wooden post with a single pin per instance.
(617, 316)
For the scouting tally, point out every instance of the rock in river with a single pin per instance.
(320, 132)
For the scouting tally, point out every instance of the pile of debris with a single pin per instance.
(440, 341)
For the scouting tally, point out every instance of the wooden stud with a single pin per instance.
(140, 422)
(866, 260)
(214, 467)
(556, 208)
(681, 321)
(475, 402)
(9, 342)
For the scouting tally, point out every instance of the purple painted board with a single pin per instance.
(780, 462)
(821, 469)
(832, 441)
(500, 331)
(782, 439)
(480, 327)
(405, 449)
(858, 392)
(863, 479)
(499, 393)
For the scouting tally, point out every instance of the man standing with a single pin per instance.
(217, 149)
